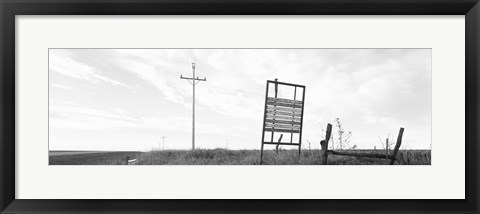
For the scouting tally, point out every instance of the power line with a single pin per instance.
(193, 80)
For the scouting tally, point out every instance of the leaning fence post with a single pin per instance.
(279, 141)
(397, 146)
(324, 145)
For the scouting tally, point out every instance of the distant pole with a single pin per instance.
(163, 142)
(193, 80)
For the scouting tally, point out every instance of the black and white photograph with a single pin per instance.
(239, 106)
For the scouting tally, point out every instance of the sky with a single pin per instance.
(128, 99)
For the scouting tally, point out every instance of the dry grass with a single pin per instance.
(237, 157)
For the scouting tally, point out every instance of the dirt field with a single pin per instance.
(89, 157)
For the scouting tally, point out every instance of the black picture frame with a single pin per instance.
(10, 8)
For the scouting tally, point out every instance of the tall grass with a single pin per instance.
(284, 157)
(236, 157)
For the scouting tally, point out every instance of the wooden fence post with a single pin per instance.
(324, 145)
(397, 146)
(126, 160)
(386, 146)
(279, 140)
(261, 154)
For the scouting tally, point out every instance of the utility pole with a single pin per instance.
(193, 80)
(163, 142)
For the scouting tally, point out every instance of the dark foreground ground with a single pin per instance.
(89, 157)
(231, 157)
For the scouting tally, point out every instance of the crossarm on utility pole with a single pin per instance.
(189, 78)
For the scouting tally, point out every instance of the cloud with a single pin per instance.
(61, 86)
(372, 91)
(160, 70)
(158, 77)
(68, 67)
(71, 116)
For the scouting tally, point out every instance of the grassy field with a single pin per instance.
(89, 157)
(234, 157)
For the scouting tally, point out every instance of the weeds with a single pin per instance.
(237, 157)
